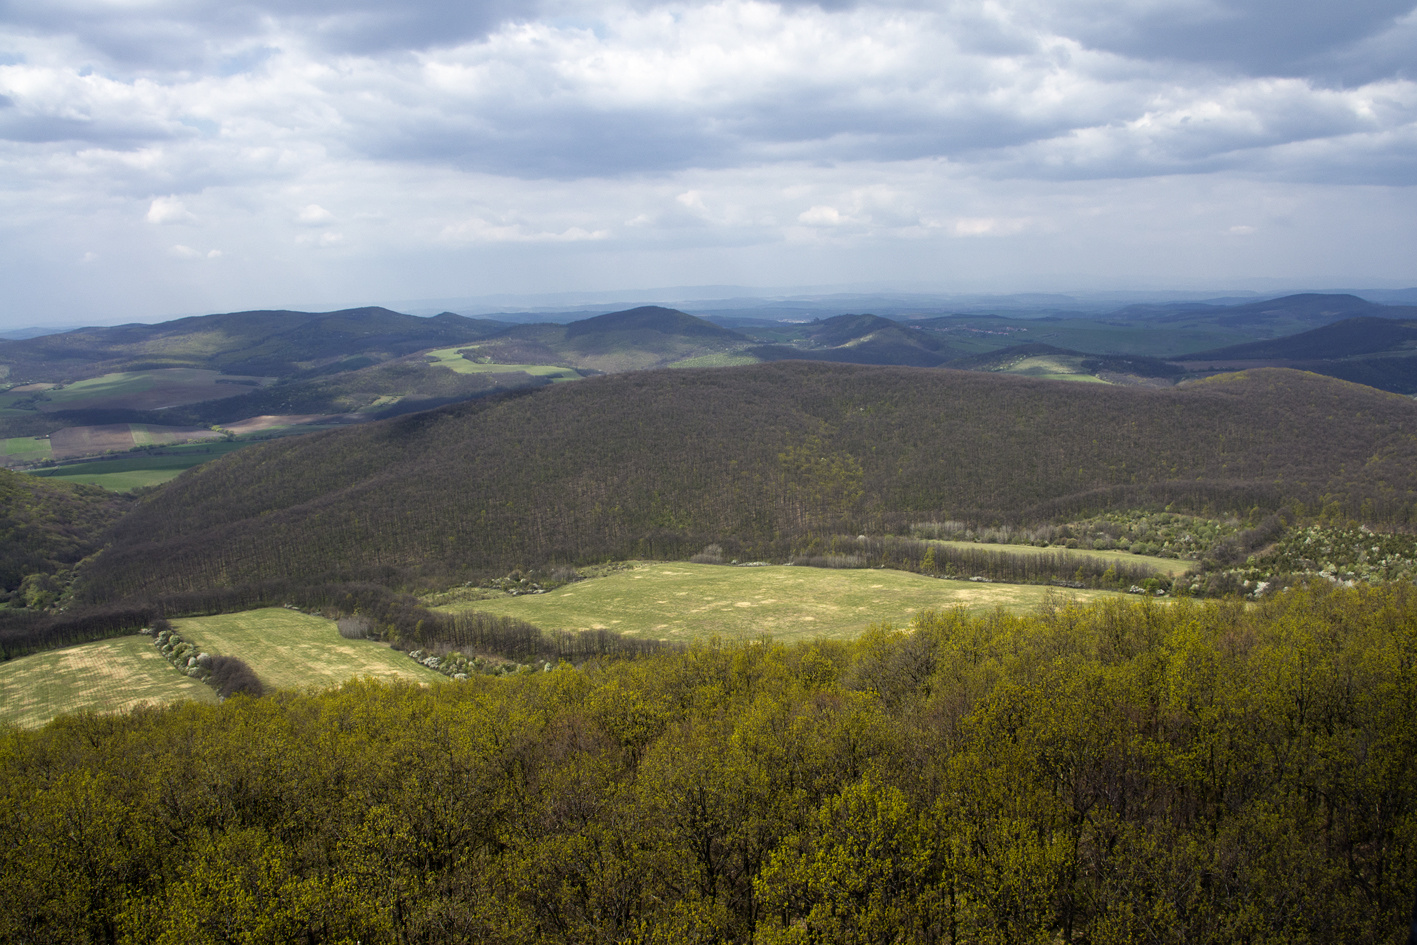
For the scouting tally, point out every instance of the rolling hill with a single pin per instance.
(657, 464)
(863, 339)
(267, 343)
(637, 339)
(1379, 352)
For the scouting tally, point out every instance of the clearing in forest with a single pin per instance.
(452, 358)
(288, 649)
(108, 676)
(684, 601)
(1172, 567)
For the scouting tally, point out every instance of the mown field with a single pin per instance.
(685, 601)
(292, 650)
(1169, 566)
(109, 676)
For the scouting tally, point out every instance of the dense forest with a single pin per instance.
(1125, 773)
(46, 528)
(773, 459)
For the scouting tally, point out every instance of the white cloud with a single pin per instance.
(314, 215)
(734, 132)
(169, 210)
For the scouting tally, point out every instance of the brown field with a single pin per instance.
(277, 422)
(149, 390)
(74, 442)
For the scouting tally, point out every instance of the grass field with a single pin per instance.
(1168, 566)
(291, 650)
(28, 448)
(1052, 368)
(695, 601)
(108, 676)
(131, 472)
(451, 359)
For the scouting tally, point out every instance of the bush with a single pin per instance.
(231, 676)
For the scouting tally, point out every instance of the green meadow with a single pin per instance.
(452, 358)
(131, 472)
(1172, 567)
(288, 649)
(109, 676)
(686, 601)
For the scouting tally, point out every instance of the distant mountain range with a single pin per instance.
(257, 370)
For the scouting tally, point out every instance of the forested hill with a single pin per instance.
(664, 462)
(258, 342)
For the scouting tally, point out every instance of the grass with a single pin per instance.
(1053, 368)
(452, 358)
(694, 601)
(109, 676)
(131, 472)
(291, 650)
(1168, 566)
(30, 447)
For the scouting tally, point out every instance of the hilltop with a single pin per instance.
(636, 339)
(663, 463)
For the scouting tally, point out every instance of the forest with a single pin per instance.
(771, 460)
(1126, 772)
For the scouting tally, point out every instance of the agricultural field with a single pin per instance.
(452, 359)
(288, 649)
(137, 390)
(684, 601)
(1172, 567)
(1052, 367)
(25, 449)
(108, 676)
(127, 473)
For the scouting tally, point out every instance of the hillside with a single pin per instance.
(663, 463)
(1352, 337)
(1269, 318)
(48, 527)
(268, 343)
(637, 339)
(863, 339)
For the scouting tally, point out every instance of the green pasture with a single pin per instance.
(291, 650)
(452, 358)
(694, 601)
(132, 472)
(1168, 566)
(106, 386)
(32, 448)
(108, 676)
(1053, 368)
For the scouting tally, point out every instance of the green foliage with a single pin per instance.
(1118, 773)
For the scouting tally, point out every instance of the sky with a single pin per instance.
(169, 157)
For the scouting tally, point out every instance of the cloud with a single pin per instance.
(552, 128)
(314, 215)
(169, 210)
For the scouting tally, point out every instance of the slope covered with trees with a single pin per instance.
(767, 460)
(1121, 774)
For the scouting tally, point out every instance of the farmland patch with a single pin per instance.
(109, 676)
(288, 649)
(688, 601)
